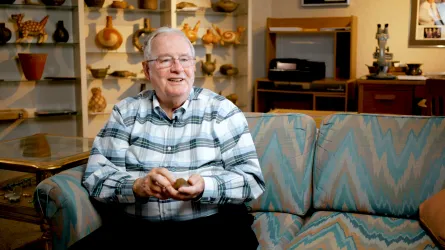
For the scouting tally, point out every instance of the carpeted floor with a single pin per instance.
(17, 234)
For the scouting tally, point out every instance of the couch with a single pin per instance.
(354, 183)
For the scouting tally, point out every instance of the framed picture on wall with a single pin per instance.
(427, 28)
(323, 2)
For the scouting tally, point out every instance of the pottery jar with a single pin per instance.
(414, 69)
(5, 34)
(148, 4)
(61, 34)
(32, 65)
(109, 37)
(208, 67)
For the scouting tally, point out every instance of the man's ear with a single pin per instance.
(145, 67)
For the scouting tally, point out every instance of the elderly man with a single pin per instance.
(429, 14)
(158, 137)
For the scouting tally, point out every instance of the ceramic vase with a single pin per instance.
(109, 38)
(53, 2)
(5, 34)
(146, 30)
(32, 65)
(95, 3)
(61, 34)
(148, 4)
(97, 102)
(208, 67)
(414, 69)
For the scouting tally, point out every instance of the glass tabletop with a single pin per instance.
(44, 151)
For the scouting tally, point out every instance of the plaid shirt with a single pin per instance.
(208, 135)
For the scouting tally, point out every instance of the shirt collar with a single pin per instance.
(193, 95)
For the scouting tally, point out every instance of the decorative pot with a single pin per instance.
(61, 34)
(146, 30)
(97, 102)
(414, 69)
(228, 70)
(32, 65)
(7, 1)
(5, 34)
(208, 67)
(225, 6)
(148, 4)
(95, 3)
(53, 2)
(109, 38)
(100, 72)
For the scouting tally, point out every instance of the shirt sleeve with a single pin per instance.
(106, 178)
(242, 179)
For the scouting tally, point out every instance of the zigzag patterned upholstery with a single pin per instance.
(285, 146)
(378, 164)
(349, 231)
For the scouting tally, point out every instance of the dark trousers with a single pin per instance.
(228, 229)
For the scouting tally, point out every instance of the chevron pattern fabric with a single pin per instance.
(349, 231)
(67, 205)
(275, 230)
(285, 145)
(378, 164)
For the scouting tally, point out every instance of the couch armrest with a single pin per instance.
(66, 205)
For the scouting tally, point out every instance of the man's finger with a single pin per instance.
(166, 174)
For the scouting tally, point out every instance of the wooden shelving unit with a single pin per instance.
(302, 38)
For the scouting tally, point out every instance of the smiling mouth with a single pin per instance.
(176, 80)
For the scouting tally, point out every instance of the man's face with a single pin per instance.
(176, 81)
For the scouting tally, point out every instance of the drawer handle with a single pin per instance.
(385, 97)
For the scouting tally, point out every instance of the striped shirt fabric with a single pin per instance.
(208, 135)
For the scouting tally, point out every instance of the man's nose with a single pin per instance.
(177, 66)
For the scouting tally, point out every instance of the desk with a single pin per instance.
(390, 96)
(42, 155)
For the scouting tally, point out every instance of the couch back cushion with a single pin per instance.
(379, 164)
(285, 147)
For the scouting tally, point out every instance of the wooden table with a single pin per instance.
(390, 96)
(41, 155)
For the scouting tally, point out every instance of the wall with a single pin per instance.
(394, 12)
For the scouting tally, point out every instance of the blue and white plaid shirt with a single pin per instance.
(208, 135)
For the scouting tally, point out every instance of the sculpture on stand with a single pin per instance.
(382, 55)
(30, 28)
(191, 34)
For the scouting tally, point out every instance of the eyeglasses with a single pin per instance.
(167, 61)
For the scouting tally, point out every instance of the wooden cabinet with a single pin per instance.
(388, 96)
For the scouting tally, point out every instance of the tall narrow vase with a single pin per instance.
(32, 65)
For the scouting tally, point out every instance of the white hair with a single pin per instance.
(147, 44)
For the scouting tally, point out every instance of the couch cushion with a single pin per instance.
(275, 230)
(432, 216)
(378, 164)
(285, 146)
(338, 230)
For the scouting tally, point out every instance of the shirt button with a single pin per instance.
(169, 148)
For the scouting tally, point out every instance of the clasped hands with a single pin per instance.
(159, 183)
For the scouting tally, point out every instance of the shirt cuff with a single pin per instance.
(210, 194)
(126, 192)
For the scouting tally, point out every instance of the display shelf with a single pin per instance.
(109, 9)
(99, 113)
(40, 44)
(14, 81)
(208, 12)
(38, 7)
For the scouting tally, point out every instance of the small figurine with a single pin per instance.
(186, 5)
(230, 36)
(208, 67)
(122, 73)
(228, 70)
(226, 6)
(146, 30)
(210, 38)
(192, 34)
(30, 28)
(97, 102)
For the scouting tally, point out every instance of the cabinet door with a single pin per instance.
(388, 101)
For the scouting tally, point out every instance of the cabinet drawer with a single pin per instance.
(388, 101)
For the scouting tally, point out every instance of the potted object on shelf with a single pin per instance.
(230, 37)
(414, 69)
(225, 6)
(210, 38)
(192, 34)
(146, 30)
(61, 35)
(32, 65)
(109, 38)
(228, 70)
(5, 34)
(208, 67)
(148, 4)
(97, 102)
(123, 73)
(95, 3)
(119, 4)
(53, 2)
(186, 6)
(30, 28)
(98, 73)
